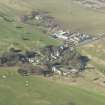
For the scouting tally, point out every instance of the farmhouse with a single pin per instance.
(60, 35)
(38, 17)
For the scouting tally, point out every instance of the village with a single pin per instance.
(63, 60)
(51, 59)
(52, 52)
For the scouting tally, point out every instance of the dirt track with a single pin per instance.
(92, 3)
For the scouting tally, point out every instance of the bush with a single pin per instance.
(28, 69)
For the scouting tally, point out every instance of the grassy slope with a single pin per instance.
(72, 15)
(10, 35)
(43, 92)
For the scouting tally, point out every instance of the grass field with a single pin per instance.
(73, 16)
(41, 91)
(96, 52)
(9, 35)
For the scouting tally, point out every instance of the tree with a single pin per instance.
(83, 62)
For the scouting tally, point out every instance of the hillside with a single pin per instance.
(88, 89)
